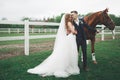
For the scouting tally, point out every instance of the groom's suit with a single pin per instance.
(81, 39)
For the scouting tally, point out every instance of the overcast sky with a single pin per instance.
(16, 9)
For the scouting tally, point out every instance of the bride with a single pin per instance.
(63, 61)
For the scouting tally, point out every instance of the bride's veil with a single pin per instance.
(61, 34)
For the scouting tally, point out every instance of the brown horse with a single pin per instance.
(100, 17)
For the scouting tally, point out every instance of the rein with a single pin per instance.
(86, 23)
(104, 20)
(87, 26)
(90, 26)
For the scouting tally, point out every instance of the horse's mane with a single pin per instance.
(91, 15)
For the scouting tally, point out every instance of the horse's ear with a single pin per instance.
(106, 10)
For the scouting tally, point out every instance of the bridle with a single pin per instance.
(105, 21)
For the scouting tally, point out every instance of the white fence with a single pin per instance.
(107, 31)
(31, 30)
(26, 30)
(27, 37)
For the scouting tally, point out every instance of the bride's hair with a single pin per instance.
(67, 19)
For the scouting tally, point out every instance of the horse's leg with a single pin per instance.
(93, 51)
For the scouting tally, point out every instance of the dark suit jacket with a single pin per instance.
(80, 31)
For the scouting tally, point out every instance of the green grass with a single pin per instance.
(22, 41)
(22, 34)
(107, 54)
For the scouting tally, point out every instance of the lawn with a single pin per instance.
(22, 34)
(107, 54)
(32, 41)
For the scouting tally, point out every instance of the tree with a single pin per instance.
(25, 18)
(51, 19)
(58, 18)
(115, 19)
(4, 18)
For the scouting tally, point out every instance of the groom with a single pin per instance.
(80, 36)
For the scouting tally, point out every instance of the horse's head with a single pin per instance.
(106, 20)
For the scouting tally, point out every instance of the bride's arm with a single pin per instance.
(71, 27)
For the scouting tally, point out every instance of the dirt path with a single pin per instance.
(18, 49)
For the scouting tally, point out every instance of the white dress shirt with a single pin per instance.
(77, 21)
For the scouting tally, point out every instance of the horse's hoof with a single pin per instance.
(95, 62)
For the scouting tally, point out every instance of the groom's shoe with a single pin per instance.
(86, 68)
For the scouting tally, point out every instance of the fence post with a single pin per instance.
(50, 30)
(9, 30)
(18, 30)
(32, 30)
(113, 35)
(102, 34)
(26, 34)
(38, 30)
(45, 30)
(55, 30)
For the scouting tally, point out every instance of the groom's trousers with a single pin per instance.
(83, 45)
(81, 41)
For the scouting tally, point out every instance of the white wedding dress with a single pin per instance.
(63, 61)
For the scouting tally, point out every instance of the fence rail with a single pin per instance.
(45, 30)
(31, 30)
(26, 31)
(26, 24)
